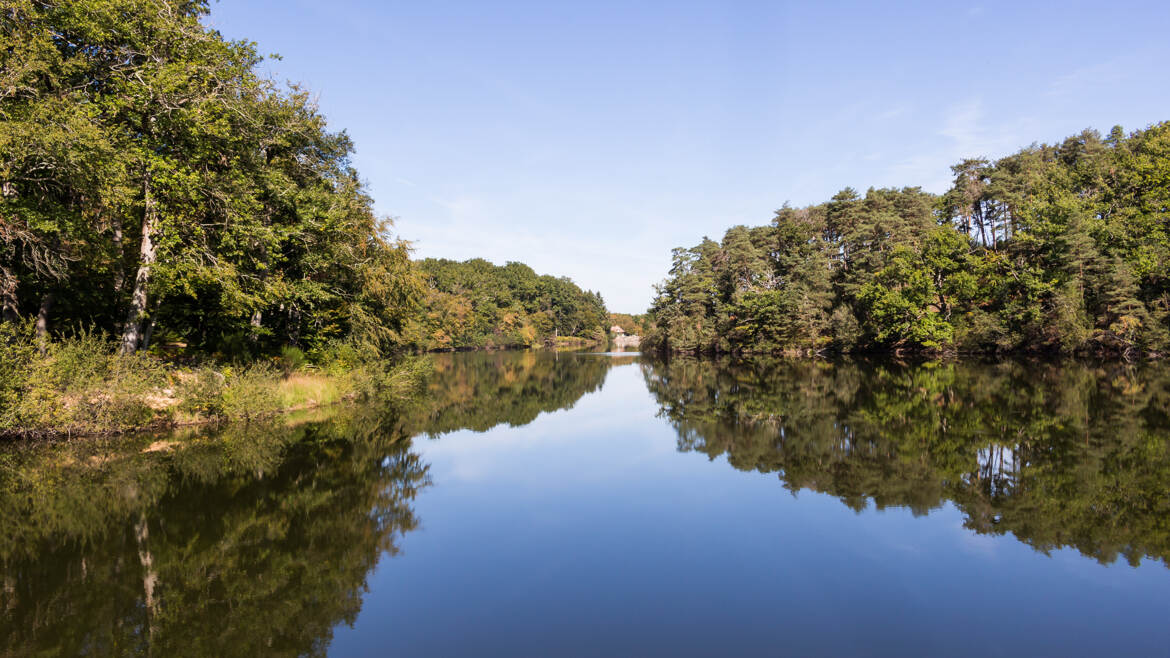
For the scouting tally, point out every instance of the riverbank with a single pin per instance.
(80, 386)
(553, 343)
(1102, 351)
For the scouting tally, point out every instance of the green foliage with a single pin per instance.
(200, 393)
(1055, 248)
(76, 385)
(245, 392)
(83, 385)
(17, 353)
(633, 325)
(154, 182)
(475, 304)
(292, 359)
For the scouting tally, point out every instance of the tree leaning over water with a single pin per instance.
(153, 181)
(1059, 248)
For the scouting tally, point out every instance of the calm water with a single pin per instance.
(542, 504)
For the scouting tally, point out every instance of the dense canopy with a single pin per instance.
(475, 304)
(1054, 248)
(154, 182)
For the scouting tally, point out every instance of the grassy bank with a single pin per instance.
(80, 385)
(574, 342)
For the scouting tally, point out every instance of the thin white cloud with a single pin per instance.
(961, 123)
(964, 131)
(1100, 75)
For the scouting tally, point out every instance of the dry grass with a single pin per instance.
(82, 386)
(302, 390)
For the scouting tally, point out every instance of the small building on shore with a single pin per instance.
(620, 339)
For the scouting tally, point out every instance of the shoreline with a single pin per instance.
(116, 396)
(269, 394)
(159, 425)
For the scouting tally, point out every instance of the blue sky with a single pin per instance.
(589, 138)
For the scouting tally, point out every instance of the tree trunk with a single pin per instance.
(132, 332)
(119, 256)
(42, 326)
(8, 301)
(979, 219)
(150, 324)
(256, 322)
(294, 327)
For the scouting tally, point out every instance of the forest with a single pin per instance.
(1059, 248)
(179, 235)
(475, 304)
(157, 188)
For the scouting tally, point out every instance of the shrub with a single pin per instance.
(81, 384)
(251, 392)
(17, 353)
(201, 392)
(77, 383)
(291, 359)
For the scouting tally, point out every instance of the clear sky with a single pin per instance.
(589, 138)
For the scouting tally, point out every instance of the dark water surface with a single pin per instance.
(543, 504)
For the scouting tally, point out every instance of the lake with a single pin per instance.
(536, 503)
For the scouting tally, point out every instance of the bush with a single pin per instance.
(200, 393)
(17, 352)
(230, 393)
(78, 384)
(291, 359)
(251, 392)
(81, 384)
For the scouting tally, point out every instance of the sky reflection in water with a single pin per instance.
(562, 504)
(587, 532)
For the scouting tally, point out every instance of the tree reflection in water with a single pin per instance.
(254, 540)
(1057, 454)
(259, 539)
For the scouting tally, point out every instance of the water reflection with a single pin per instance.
(261, 540)
(480, 390)
(256, 540)
(1057, 455)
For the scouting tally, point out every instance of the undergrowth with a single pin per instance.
(81, 385)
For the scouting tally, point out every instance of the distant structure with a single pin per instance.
(620, 339)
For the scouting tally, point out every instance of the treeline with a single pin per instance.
(475, 304)
(1061, 248)
(633, 325)
(155, 185)
(157, 189)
